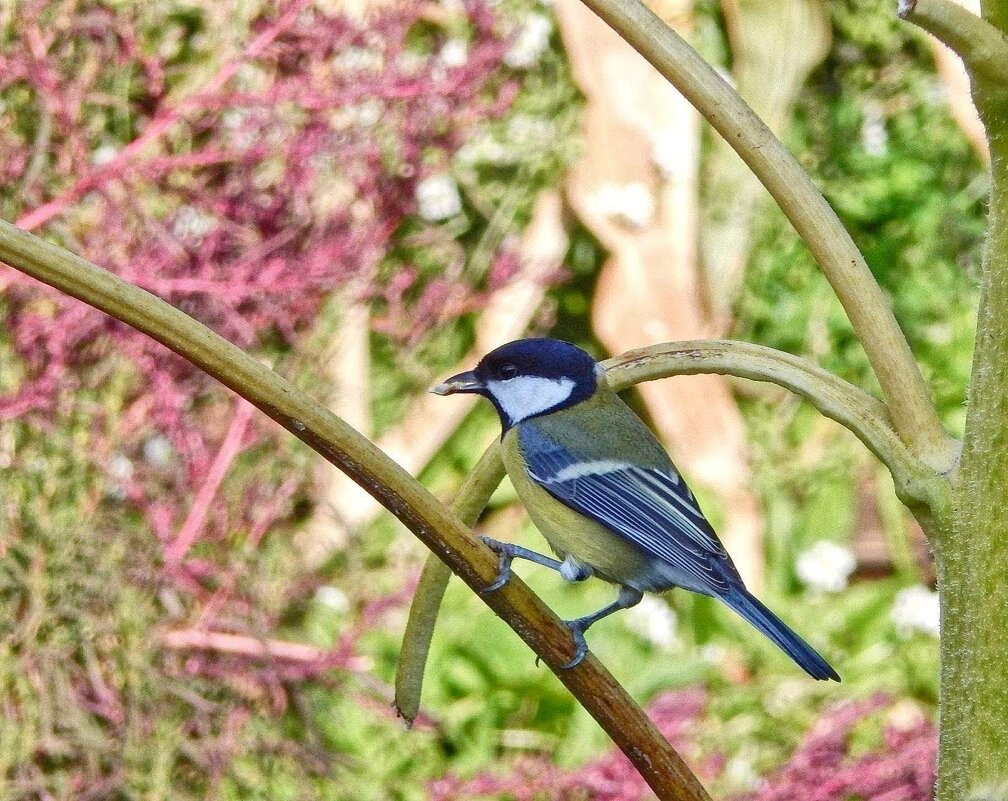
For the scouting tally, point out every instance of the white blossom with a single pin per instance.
(530, 42)
(630, 203)
(120, 468)
(437, 197)
(104, 154)
(916, 609)
(454, 53)
(332, 597)
(358, 59)
(825, 566)
(120, 472)
(158, 451)
(368, 113)
(192, 224)
(526, 128)
(874, 137)
(654, 620)
(484, 149)
(741, 772)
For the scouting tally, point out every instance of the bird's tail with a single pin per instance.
(753, 610)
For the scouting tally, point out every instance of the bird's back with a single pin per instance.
(605, 426)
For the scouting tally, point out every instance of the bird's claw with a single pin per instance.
(504, 571)
(580, 644)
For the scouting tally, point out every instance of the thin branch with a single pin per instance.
(472, 498)
(867, 417)
(241, 645)
(982, 47)
(196, 519)
(441, 531)
(913, 414)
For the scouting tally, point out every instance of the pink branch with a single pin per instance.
(197, 516)
(241, 645)
(160, 125)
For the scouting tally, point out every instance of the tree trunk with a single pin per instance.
(972, 550)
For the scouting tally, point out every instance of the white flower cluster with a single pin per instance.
(916, 609)
(630, 203)
(874, 136)
(158, 451)
(104, 154)
(654, 620)
(454, 53)
(332, 597)
(530, 42)
(825, 566)
(358, 59)
(523, 134)
(192, 224)
(437, 197)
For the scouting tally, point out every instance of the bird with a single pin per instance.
(603, 491)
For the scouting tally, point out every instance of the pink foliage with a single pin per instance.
(611, 777)
(285, 176)
(821, 768)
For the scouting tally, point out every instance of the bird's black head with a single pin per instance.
(529, 377)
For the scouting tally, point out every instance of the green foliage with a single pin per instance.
(77, 570)
(873, 130)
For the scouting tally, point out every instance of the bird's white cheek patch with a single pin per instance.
(527, 395)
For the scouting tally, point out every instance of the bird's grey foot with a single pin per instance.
(577, 627)
(508, 552)
(628, 596)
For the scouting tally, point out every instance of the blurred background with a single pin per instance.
(368, 196)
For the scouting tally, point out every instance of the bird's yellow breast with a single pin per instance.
(569, 533)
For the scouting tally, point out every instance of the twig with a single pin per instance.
(982, 47)
(472, 498)
(241, 645)
(913, 414)
(197, 516)
(441, 531)
(865, 416)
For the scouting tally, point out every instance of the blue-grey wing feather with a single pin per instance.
(652, 507)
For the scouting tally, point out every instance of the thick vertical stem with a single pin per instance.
(973, 559)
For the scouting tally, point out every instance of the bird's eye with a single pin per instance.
(507, 371)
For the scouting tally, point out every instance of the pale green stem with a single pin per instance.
(972, 550)
(982, 47)
(472, 498)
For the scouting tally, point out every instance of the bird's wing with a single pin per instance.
(650, 506)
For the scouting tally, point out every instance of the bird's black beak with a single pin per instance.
(463, 382)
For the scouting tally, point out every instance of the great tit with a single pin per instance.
(603, 492)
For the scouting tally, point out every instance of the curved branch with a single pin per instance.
(468, 505)
(601, 695)
(982, 47)
(913, 414)
(867, 417)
